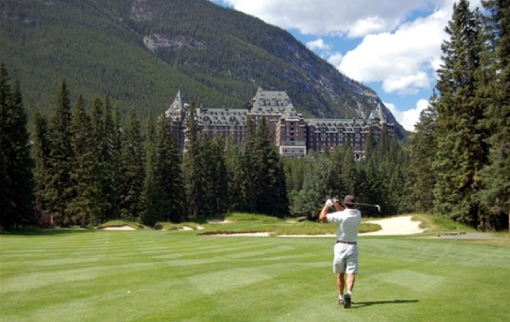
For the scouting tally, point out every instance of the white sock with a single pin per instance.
(350, 293)
(341, 297)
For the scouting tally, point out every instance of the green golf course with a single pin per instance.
(175, 275)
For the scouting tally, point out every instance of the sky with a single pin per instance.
(391, 46)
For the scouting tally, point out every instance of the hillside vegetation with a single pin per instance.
(139, 53)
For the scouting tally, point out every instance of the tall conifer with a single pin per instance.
(152, 196)
(131, 169)
(109, 204)
(169, 172)
(5, 185)
(85, 205)
(423, 145)
(348, 172)
(461, 150)
(100, 150)
(16, 163)
(268, 180)
(58, 190)
(41, 154)
(496, 176)
(192, 164)
(239, 184)
(316, 186)
(114, 169)
(217, 186)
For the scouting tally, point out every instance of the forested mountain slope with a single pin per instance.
(140, 52)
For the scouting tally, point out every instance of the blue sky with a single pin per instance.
(392, 46)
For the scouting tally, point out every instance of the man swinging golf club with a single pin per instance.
(345, 261)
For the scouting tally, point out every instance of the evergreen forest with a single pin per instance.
(79, 163)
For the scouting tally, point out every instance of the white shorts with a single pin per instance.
(345, 259)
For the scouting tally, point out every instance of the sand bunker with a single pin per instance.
(125, 227)
(396, 226)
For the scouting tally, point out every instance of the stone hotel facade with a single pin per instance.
(293, 135)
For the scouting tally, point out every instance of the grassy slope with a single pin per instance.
(168, 276)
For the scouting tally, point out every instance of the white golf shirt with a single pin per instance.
(348, 222)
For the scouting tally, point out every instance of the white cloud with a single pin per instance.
(340, 17)
(406, 84)
(318, 44)
(410, 117)
(324, 50)
(404, 60)
(335, 59)
(367, 26)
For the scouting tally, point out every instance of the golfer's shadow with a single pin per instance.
(362, 304)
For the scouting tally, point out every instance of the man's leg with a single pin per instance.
(350, 285)
(340, 282)
(351, 278)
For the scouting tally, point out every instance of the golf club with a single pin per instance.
(363, 204)
(369, 205)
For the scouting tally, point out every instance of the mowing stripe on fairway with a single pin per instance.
(179, 276)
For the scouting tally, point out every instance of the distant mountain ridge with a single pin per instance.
(141, 52)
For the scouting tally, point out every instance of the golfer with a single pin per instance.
(345, 261)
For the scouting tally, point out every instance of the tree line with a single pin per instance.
(460, 165)
(83, 166)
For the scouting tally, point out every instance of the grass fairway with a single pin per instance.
(180, 276)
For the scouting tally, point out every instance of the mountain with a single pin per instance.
(140, 52)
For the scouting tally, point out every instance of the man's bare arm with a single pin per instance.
(324, 213)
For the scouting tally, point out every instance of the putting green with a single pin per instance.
(179, 276)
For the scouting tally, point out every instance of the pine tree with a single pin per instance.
(370, 186)
(371, 183)
(58, 190)
(131, 169)
(317, 187)
(218, 186)
(41, 154)
(239, 191)
(267, 176)
(86, 191)
(423, 145)
(7, 215)
(348, 171)
(15, 161)
(100, 151)
(461, 150)
(109, 156)
(192, 164)
(152, 195)
(114, 171)
(396, 161)
(337, 158)
(169, 172)
(496, 62)
(295, 169)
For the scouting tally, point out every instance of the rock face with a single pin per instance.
(157, 41)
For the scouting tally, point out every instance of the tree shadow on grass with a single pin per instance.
(358, 305)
